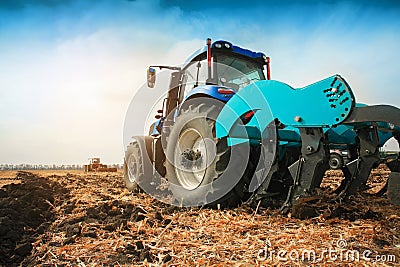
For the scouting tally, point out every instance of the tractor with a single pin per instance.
(96, 166)
(227, 134)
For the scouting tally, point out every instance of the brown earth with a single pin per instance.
(60, 218)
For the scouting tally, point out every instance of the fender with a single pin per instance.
(323, 104)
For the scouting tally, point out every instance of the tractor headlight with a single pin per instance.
(227, 45)
(218, 45)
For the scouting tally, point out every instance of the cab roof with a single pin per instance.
(225, 46)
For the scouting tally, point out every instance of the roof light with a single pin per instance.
(227, 45)
(218, 45)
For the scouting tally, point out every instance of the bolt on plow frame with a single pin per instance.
(227, 134)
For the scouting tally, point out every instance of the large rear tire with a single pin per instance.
(196, 161)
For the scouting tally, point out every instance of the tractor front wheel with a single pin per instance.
(137, 164)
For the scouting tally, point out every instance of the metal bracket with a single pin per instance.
(267, 167)
(394, 165)
(309, 170)
(262, 192)
(394, 176)
(357, 172)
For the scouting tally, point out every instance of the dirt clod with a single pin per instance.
(24, 210)
(23, 249)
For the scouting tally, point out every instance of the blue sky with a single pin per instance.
(68, 69)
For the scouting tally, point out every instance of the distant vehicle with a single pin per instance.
(96, 166)
(337, 159)
(340, 157)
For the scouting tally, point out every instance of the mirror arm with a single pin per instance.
(167, 67)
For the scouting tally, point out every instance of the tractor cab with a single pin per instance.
(223, 64)
(218, 71)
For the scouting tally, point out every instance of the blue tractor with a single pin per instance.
(228, 134)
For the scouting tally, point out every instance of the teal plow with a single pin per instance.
(313, 119)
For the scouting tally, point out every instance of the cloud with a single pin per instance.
(70, 92)
(70, 70)
(236, 4)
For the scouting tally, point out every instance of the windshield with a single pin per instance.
(237, 72)
(228, 70)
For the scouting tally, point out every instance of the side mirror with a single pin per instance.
(151, 77)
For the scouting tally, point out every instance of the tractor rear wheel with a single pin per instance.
(196, 161)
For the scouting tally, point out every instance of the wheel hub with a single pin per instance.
(132, 168)
(192, 156)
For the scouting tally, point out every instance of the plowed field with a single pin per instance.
(58, 218)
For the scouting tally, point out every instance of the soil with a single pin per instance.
(79, 219)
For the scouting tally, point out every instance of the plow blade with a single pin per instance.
(366, 121)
